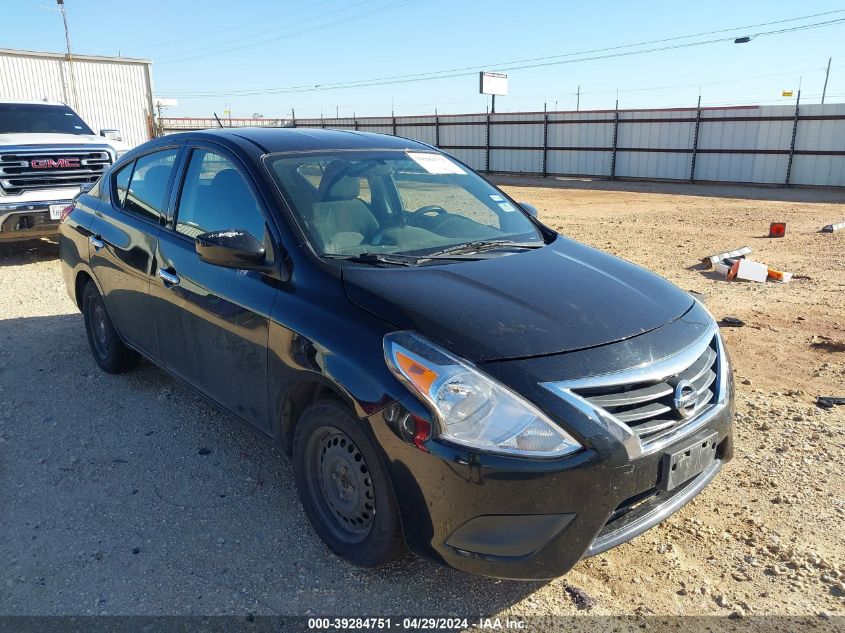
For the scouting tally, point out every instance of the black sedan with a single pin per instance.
(445, 371)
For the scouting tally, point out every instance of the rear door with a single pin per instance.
(122, 242)
(212, 322)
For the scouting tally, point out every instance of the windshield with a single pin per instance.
(385, 202)
(35, 118)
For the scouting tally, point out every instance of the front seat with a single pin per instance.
(223, 201)
(340, 218)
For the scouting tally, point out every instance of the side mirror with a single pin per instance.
(232, 248)
(530, 209)
(113, 135)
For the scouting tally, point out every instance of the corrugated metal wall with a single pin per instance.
(111, 92)
(745, 144)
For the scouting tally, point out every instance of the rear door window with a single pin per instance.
(148, 186)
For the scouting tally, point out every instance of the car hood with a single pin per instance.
(60, 139)
(562, 297)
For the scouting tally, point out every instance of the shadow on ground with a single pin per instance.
(110, 505)
(28, 252)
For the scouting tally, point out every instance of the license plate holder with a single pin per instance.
(56, 211)
(681, 465)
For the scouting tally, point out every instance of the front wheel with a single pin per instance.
(344, 487)
(109, 351)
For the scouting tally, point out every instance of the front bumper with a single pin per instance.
(27, 220)
(534, 519)
(530, 519)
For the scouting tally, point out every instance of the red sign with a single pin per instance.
(55, 163)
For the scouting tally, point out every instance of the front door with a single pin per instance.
(123, 239)
(212, 322)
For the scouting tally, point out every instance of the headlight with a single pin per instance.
(471, 408)
(118, 153)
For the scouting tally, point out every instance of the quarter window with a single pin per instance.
(215, 197)
(121, 183)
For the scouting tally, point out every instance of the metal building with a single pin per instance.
(107, 92)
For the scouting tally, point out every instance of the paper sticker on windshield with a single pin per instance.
(507, 206)
(495, 197)
(435, 163)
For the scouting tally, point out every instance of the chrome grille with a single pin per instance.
(17, 173)
(648, 408)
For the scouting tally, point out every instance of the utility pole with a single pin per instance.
(578, 99)
(826, 76)
(68, 56)
(493, 105)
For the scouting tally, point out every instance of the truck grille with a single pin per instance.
(30, 170)
(649, 408)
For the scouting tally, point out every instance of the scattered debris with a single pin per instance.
(580, 597)
(777, 229)
(722, 268)
(830, 228)
(735, 266)
(827, 344)
(778, 275)
(730, 321)
(828, 402)
(749, 271)
(740, 252)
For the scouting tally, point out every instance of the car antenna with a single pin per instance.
(218, 120)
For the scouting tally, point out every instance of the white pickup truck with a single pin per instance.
(47, 153)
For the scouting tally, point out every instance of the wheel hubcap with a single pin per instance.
(99, 330)
(345, 483)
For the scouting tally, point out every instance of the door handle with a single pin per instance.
(170, 279)
(96, 242)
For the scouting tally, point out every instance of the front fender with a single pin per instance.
(308, 351)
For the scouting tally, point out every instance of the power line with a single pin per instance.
(181, 40)
(216, 50)
(516, 65)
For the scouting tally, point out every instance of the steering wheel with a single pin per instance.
(431, 211)
(436, 209)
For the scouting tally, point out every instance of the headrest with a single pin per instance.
(334, 185)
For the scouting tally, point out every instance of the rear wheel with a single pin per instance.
(109, 351)
(344, 487)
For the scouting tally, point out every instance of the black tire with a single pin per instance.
(108, 350)
(344, 486)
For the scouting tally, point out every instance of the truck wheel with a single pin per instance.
(344, 488)
(109, 351)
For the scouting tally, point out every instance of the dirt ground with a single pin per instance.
(109, 507)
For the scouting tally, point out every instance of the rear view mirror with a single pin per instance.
(111, 134)
(232, 248)
(530, 209)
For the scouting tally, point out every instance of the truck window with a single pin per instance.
(38, 118)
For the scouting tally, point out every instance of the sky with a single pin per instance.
(268, 57)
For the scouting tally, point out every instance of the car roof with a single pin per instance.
(272, 140)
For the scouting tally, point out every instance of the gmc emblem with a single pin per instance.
(55, 163)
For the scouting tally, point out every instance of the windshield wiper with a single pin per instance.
(376, 258)
(480, 245)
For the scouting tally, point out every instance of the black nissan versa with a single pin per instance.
(445, 371)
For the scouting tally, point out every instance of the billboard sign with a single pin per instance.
(493, 83)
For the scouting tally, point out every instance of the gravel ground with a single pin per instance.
(130, 495)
